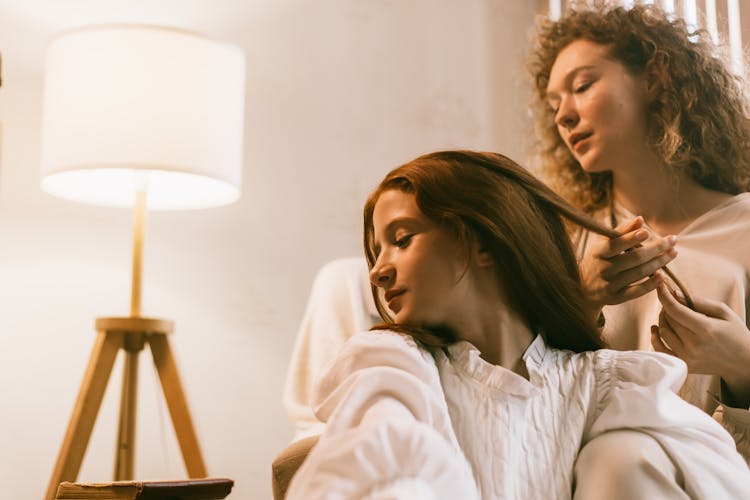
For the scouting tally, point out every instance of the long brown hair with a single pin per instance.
(698, 119)
(487, 197)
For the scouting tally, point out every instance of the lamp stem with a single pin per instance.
(139, 221)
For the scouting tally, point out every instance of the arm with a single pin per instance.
(711, 340)
(714, 340)
(637, 391)
(388, 433)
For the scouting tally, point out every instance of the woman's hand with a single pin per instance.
(713, 339)
(618, 269)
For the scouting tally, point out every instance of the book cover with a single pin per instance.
(188, 489)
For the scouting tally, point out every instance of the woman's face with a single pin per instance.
(420, 268)
(600, 107)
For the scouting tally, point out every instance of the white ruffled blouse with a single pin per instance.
(404, 424)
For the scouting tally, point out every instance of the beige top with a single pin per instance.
(713, 262)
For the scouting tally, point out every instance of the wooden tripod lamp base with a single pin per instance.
(129, 334)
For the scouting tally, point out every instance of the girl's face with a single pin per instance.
(600, 107)
(420, 268)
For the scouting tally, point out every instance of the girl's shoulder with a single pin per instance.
(382, 348)
(382, 340)
(375, 363)
(610, 366)
(639, 368)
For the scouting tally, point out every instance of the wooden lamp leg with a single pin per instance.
(125, 450)
(86, 408)
(177, 404)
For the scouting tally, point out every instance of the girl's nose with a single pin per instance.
(381, 275)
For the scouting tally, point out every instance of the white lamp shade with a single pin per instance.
(128, 106)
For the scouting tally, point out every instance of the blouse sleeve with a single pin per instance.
(388, 433)
(638, 390)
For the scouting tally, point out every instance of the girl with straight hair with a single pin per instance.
(488, 375)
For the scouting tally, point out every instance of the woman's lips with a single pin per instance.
(581, 146)
(580, 141)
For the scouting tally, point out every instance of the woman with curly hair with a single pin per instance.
(642, 125)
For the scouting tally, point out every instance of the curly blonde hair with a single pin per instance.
(698, 121)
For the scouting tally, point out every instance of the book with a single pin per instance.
(188, 489)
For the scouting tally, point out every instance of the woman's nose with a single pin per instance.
(567, 115)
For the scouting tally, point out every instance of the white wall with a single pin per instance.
(338, 93)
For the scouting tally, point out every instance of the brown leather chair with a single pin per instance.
(286, 464)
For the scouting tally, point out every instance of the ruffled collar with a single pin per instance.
(466, 359)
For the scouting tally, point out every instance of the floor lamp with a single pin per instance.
(152, 118)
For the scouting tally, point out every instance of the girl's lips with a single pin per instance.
(392, 297)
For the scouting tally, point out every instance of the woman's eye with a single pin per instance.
(583, 88)
(404, 241)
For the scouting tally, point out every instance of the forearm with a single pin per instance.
(735, 386)
(389, 455)
(735, 390)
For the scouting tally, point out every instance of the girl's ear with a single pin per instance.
(483, 257)
(479, 252)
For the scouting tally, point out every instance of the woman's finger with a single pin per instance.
(634, 291)
(628, 240)
(679, 313)
(630, 225)
(626, 278)
(668, 335)
(712, 308)
(640, 256)
(685, 334)
(657, 343)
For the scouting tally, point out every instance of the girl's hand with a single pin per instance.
(618, 269)
(713, 339)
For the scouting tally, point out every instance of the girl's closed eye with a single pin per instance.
(403, 241)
